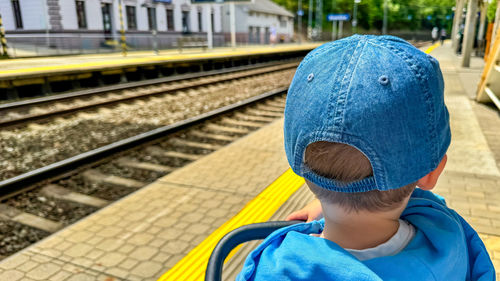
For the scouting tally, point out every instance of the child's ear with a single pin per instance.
(429, 181)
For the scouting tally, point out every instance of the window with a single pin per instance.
(131, 19)
(17, 13)
(185, 21)
(199, 21)
(80, 14)
(170, 19)
(283, 23)
(152, 18)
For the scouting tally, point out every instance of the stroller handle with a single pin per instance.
(240, 235)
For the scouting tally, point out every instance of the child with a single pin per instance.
(365, 123)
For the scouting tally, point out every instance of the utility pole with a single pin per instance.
(470, 28)
(299, 20)
(355, 17)
(123, 41)
(232, 12)
(384, 24)
(482, 22)
(210, 42)
(3, 40)
(334, 23)
(319, 19)
(457, 21)
(310, 20)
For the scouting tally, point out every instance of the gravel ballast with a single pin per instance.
(37, 145)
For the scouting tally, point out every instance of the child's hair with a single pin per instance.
(345, 163)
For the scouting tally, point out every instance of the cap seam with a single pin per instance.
(421, 78)
(338, 114)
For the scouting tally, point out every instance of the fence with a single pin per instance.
(32, 45)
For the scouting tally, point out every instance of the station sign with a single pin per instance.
(163, 1)
(300, 12)
(338, 17)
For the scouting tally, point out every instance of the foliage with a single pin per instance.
(402, 14)
(492, 10)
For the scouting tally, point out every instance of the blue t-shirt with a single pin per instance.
(445, 247)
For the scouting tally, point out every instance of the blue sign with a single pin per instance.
(300, 12)
(163, 1)
(338, 17)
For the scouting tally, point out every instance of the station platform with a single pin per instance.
(56, 74)
(36, 66)
(166, 230)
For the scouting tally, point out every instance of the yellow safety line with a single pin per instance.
(152, 59)
(260, 209)
(431, 48)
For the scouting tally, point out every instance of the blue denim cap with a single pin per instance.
(376, 93)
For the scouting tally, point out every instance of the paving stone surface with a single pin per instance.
(148, 232)
(471, 179)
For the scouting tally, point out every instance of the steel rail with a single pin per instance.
(124, 86)
(22, 181)
(61, 112)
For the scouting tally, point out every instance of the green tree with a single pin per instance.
(402, 14)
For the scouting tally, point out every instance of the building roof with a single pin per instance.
(269, 7)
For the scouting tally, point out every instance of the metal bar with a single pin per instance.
(21, 181)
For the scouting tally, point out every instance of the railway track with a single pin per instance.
(40, 109)
(43, 201)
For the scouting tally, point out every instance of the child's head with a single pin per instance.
(365, 118)
(347, 164)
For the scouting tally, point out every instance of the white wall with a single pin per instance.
(68, 14)
(7, 15)
(31, 14)
(34, 19)
(93, 13)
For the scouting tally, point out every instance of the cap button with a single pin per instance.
(384, 80)
(310, 77)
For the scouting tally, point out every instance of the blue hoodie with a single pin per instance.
(445, 247)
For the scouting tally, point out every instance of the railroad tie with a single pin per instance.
(254, 118)
(13, 214)
(62, 193)
(270, 108)
(226, 129)
(155, 150)
(130, 163)
(208, 146)
(186, 156)
(96, 176)
(277, 104)
(213, 136)
(241, 123)
(265, 113)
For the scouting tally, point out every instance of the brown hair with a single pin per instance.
(345, 163)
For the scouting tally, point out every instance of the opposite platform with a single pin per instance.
(31, 67)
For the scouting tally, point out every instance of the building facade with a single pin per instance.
(167, 20)
(90, 24)
(258, 20)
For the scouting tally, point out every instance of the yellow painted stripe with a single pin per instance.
(431, 48)
(260, 209)
(156, 59)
